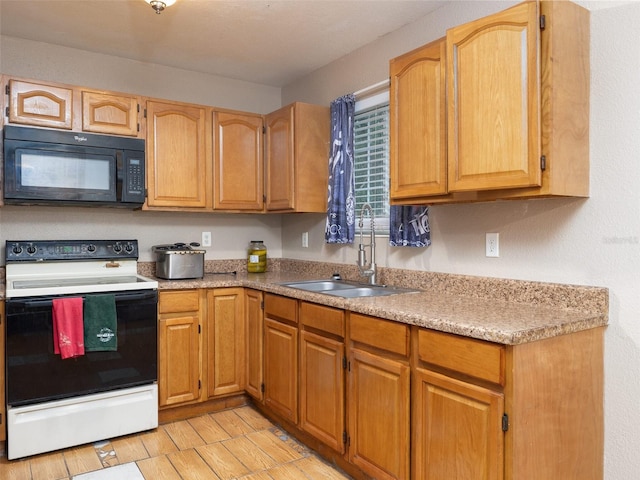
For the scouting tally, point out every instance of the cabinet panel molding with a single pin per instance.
(109, 113)
(40, 104)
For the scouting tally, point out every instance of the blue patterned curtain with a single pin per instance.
(341, 205)
(409, 226)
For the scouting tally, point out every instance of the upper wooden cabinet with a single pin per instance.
(39, 104)
(517, 121)
(110, 113)
(71, 108)
(178, 155)
(238, 161)
(297, 158)
(493, 118)
(417, 123)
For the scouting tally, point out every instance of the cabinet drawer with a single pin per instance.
(327, 319)
(179, 301)
(476, 358)
(282, 308)
(384, 334)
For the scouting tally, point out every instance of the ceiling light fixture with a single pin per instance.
(160, 5)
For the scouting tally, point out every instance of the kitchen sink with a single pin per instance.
(340, 288)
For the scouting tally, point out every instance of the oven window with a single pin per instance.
(36, 374)
(64, 170)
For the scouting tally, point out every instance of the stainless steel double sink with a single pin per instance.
(341, 288)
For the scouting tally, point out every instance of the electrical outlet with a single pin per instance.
(305, 239)
(206, 239)
(492, 245)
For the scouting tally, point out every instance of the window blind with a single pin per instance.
(371, 159)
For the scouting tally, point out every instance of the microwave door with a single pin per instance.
(62, 175)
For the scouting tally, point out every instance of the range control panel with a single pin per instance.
(69, 250)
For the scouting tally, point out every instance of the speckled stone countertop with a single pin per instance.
(509, 312)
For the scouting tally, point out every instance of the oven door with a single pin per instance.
(35, 374)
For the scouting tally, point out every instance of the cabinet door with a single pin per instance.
(254, 350)
(3, 413)
(109, 113)
(178, 359)
(322, 388)
(281, 368)
(493, 113)
(40, 104)
(379, 415)
(457, 429)
(280, 159)
(238, 163)
(226, 350)
(178, 156)
(417, 107)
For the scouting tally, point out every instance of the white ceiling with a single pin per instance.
(272, 42)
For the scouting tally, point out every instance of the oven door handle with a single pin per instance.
(48, 302)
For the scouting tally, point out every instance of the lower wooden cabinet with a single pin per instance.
(322, 366)
(457, 426)
(281, 356)
(225, 341)
(179, 346)
(379, 397)
(412, 403)
(254, 344)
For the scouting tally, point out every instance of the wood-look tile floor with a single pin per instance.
(233, 444)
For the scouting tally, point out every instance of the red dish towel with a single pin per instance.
(68, 327)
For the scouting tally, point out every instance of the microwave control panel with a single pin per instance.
(133, 188)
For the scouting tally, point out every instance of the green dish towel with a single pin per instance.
(100, 323)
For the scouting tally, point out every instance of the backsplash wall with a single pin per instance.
(230, 233)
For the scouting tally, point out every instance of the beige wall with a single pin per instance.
(44, 61)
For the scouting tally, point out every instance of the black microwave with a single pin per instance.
(49, 167)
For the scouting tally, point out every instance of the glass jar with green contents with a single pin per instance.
(257, 257)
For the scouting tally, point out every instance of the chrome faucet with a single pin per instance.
(367, 269)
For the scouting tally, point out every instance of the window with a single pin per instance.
(371, 160)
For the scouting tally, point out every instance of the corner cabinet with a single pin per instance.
(297, 158)
(178, 155)
(526, 135)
